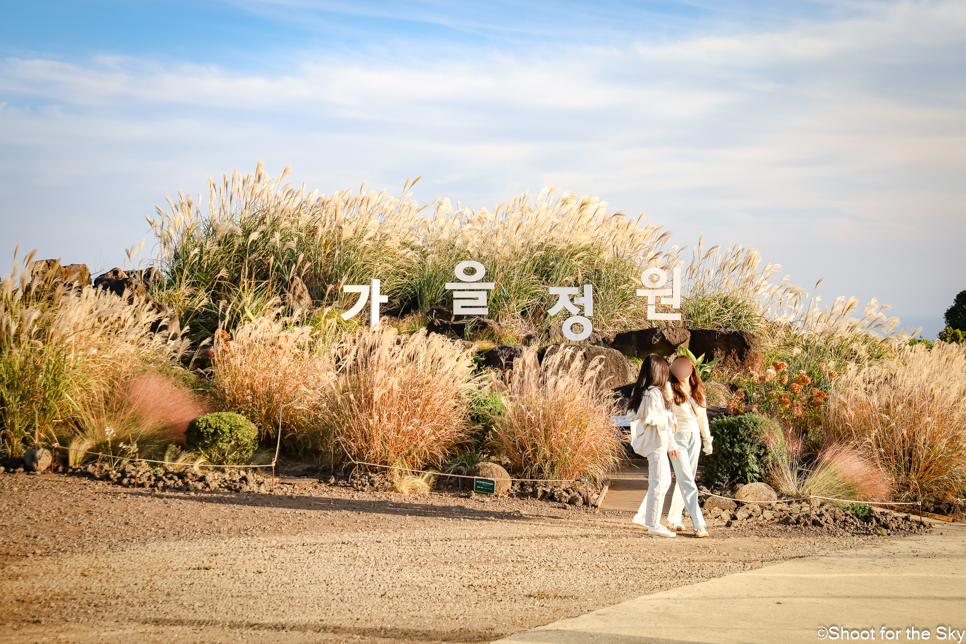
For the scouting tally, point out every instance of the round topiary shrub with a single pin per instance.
(740, 454)
(224, 438)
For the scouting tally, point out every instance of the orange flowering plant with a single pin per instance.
(796, 398)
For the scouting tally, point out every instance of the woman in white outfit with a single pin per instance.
(652, 427)
(689, 404)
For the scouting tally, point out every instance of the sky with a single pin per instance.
(830, 136)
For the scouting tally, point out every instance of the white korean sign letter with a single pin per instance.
(563, 294)
(654, 291)
(470, 294)
(364, 296)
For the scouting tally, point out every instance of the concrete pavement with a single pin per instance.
(890, 587)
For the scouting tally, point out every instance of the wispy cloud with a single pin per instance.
(833, 144)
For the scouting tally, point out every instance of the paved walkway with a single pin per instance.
(901, 583)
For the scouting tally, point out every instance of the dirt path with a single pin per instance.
(85, 561)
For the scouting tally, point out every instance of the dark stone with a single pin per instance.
(714, 413)
(613, 371)
(440, 313)
(12, 463)
(501, 357)
(622, 396)
(118, 282)
(740, 351)
(121, 284)
(640, 343)
(465, 327)
(146, 275)
(54, 273)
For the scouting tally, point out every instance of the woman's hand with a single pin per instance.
(673, 453)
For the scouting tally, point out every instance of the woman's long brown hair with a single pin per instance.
(654, 373)
(694, 380)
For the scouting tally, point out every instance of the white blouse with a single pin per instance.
(652, 426)
(687, 420)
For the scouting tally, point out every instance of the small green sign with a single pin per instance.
(487, 486)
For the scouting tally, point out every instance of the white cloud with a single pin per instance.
(819, 143)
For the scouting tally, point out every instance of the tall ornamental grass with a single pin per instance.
(261, 239)
(908, 413)
(269, 362)
(64, 351)
(837, 471)
(557, 423)
(400, 400)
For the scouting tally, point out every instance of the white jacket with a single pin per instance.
(652, 426)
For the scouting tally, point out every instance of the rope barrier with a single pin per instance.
(466, 476)
(458, 476)
(868, 502)
(137, 460)
(147, 460)
(813, 496)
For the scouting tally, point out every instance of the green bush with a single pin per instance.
(740, 454)
(224, 438)
(921, 340)
(953, 336)
(485, 407)
(861, 510)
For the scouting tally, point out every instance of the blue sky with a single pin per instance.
(829, 135)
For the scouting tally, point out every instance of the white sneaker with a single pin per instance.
(639, 520)
(677, 527)
(701, 534)
(660, 531)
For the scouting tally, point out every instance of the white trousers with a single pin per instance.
(685, 489)
(658, 482)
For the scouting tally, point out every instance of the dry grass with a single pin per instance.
(386, 398)
(730, 289)
(400, 400)
(837, 472)
(145, 415)
(63, 352)
(414, 484)
(557, 424)
(270, 362)
(261, 240)
(909, 415)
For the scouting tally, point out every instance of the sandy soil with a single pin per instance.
(86, 561)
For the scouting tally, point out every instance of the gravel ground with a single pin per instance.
(88, 561)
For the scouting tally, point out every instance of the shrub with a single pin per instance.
(860, 510)
(952, 336)
(557, 424)
(909, 416)
(224, 438)
(273, 361)
(740, 453)
(399, 400)
(796, 399)
(486, 407)
(923, 341)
